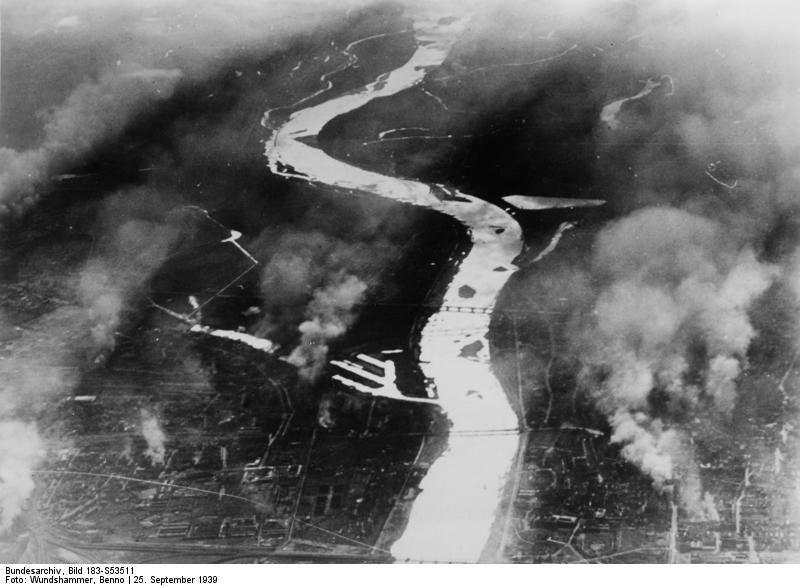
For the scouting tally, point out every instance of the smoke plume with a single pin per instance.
(699, 167)
(110, 282)
(330, 313)
(701, 173)
(46, 358)
(135, 57)
(314, 277)
(671, 315)
(677, 282)
(95, 112)
(154, 436)
(20, 449)
(151, 87)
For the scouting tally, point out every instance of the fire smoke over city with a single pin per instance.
(681, 299)
(130, 71)
(700, 174)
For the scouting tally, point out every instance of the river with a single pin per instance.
(452, 517)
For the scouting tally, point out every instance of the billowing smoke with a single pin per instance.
(20, 450)
(702, 172)
(155, 437)
(330, 313)
(312, 283)
(109, 282)
(670, 317)
(40, 367)
(680, 115)
(677, 283)
(102, 84)
(135, 56)
(46, 358)
(94, 113)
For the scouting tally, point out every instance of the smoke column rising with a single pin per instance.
(671, 315)
(20, 448)
(105, 68)
(673, 283)
(154, 436)
(109, 282)
(329, 314)
(313, 280)
(702, 176)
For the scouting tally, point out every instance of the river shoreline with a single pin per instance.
(484, 427)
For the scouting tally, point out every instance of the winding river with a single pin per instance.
(452, 518)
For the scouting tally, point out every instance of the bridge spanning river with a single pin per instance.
(453, 516)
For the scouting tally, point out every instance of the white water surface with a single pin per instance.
(451, 518)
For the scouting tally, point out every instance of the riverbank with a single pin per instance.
(483, 438)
